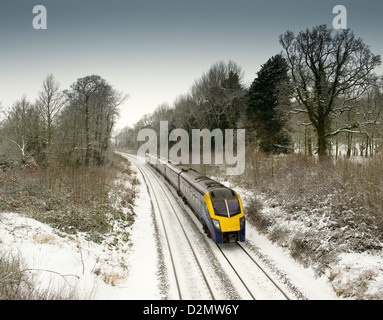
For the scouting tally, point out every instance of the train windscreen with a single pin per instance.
(220, 208)
(226, 207)
(233, 206)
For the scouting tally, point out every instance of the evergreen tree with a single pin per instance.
(268, 98)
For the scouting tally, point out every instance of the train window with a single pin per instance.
(234, 207)
(220, 208)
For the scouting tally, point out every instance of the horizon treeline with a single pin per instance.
(72, 126)
(319, 95)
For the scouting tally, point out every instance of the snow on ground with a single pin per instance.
(94, 271)
(347, 277)
(303, 278)
(55, 262)
(356, 270)
(97, 271)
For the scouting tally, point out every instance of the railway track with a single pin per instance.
(158, 192)
(249, 278)
(258, 282)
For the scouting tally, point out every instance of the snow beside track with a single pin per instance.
(96, 271)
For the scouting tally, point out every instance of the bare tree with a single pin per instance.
(217, 95)
(98, 104)
(330, 72)
(21, 128)
(184, 107)
(50, 101)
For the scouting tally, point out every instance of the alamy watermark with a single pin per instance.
(340, 20)
(39, 22)
(180, 152)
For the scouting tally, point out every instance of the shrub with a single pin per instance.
(71, 199)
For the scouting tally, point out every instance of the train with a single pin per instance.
(217, 207)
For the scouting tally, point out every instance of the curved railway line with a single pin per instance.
(249, 279)
(155, 198)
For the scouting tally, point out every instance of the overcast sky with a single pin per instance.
(153, 50)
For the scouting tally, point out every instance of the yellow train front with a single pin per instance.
(226, 215)
(218, 208)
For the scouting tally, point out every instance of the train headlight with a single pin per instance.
(242, 222)
(216, 224)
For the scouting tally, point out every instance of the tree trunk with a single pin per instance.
(322, 141)
(349, 144)
(87, 134)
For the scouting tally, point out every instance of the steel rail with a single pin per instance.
(182, 227)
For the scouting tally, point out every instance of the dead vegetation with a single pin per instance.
(97, 201)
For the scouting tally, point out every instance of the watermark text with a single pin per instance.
(180, 151)
(39, 22)
(340, 20)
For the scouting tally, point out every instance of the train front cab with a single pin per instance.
(227, 217)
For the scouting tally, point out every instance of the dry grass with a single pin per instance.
(70, 199)
(351, 191)
(16, 283)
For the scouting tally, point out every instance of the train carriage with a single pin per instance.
(161, 165)
(173, 172)
(218, 208)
